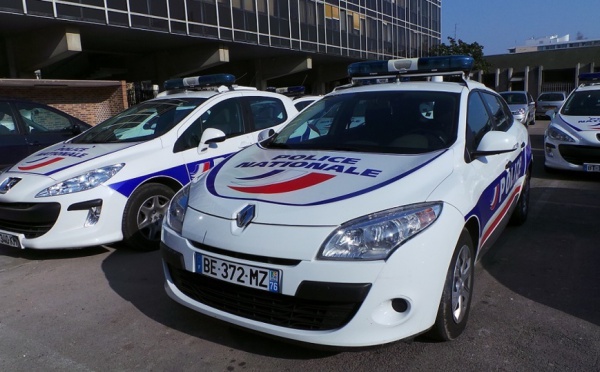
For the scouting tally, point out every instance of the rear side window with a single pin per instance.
(267, 112)
(39, 120)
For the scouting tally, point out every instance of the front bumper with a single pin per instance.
(336, 303)
(570, 156)
(62, 221)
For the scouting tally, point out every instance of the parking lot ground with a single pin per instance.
(535, 307)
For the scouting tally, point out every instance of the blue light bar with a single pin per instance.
(589, 76)
(293, 90)
(411, 65)
(200, 81)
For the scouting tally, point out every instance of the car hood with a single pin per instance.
(514, 107)
(579, 123)
(316, 188)
(63, 156)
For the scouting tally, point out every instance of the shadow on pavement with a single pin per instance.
(138, 278)
(553, 258)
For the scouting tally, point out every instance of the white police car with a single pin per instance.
(359, 223)
(114, 181)
(572, 140)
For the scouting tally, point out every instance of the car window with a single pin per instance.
(583, 103)
(500, 113)
(551, 97)
(226, 116)
(267, 111)
(391, 122)
(142, 122)
(479, 121)
(7, 122)
(514, 98)
(40, 120)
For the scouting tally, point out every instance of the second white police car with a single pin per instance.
(572, 140)
(360, 222)
(114, 181)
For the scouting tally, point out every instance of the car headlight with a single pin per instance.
(177, 208)
(376, 236)
(558, 135)
(83, 182)
(520, 111)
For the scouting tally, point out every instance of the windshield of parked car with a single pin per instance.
(514, 98)
(551, 97)
(583, 103)
(406, 122)
(142, 122)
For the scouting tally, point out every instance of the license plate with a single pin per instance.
(10, 240)
(246, 275)
(591, 167)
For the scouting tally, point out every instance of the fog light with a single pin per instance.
(550, 150)
(399, 305)
(93, 216)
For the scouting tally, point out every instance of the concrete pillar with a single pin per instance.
(526, 77)
(577, 70)
(540, 79)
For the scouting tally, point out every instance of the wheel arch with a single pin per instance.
(163, 180)
(473, 227)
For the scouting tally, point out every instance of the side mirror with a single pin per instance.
(550, 113)
(210, 136)
(75, 129)
(496, 142)
(265, 134)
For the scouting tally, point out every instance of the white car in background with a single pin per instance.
(359, 222)
(114, 181)
(572, 140)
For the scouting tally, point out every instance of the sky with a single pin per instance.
(498, 25)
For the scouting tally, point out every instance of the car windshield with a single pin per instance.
(142, 122)
(514, 98)
(583, 103)
(407, 122)
(551, 97)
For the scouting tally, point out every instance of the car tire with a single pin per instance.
(520, 213)
(455, 304)
(142, 219)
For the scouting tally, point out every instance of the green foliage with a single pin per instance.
(461, 48)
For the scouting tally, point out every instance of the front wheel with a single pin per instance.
(455, 304)
(520, 213)
(142, 219)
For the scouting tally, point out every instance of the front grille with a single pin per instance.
(30, 219)
(580, 154)
(272, 308)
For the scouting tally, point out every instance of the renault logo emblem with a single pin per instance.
(8, 184)
(246, 215)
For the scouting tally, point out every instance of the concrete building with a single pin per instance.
(542, 65)
(262, 42)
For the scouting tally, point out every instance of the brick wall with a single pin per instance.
(90, 103)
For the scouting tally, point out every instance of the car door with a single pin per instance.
(13, 146)
(45, 126)
(226, 115)
(493, 177)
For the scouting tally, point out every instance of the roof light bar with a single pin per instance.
(411, 65)
(590, 77)
(200, 81)
(293, 90)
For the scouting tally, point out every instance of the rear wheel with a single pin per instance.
(142, 219)
(455, 304)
